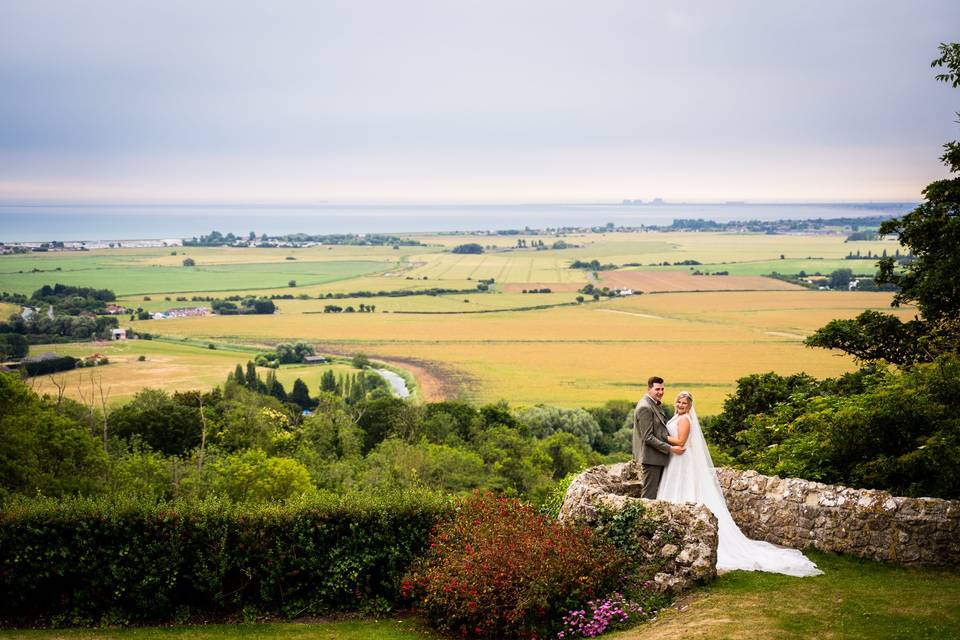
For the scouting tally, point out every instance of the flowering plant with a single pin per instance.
(500, 569)
(607, 614)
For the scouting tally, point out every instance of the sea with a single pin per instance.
(104, 222)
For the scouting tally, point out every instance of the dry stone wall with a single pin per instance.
(683, 545)
(862, 522)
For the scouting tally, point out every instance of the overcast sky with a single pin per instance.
(486, 101)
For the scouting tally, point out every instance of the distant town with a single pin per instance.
(858, 225)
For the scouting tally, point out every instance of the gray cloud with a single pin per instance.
(341, 97)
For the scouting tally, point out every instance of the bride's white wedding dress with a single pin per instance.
(690, 477)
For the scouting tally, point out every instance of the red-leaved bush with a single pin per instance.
(499, 569)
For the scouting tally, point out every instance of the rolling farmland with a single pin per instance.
(699, 332)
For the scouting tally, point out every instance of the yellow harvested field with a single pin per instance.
(660, 281)
(579, 355)
(526, 267)
(7, 309)
(171, 367)
(699, 332)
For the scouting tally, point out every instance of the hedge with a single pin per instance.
(50, 365)
(115, 561)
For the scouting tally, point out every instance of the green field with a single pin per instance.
(135, 280)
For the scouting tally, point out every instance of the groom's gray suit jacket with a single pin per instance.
(650, 433)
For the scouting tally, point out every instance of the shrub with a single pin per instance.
(86, 561)
(499, 569)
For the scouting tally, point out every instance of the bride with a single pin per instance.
(691, 478)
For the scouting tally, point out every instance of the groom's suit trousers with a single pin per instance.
(650, 476)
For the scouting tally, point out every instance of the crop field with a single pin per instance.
(576, 355)
(483, 346)
(509, 266)
(168, 366)
(661, 281)
(172, 367)
(656, 247)
(135, 280)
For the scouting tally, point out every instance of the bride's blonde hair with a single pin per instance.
(685, 394)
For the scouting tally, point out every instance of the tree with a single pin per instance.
(274, 387)
(931, 233)
(300, 395)
(470, 247)
(252, 476)
(41, 449)
(546, 420)
(13, 345)
(188, 262)
(901, 433)
(360, 361)
(250, 380)
(328, 382)
(159, 421)
(840, 279)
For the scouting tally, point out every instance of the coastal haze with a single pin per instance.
(90, 223)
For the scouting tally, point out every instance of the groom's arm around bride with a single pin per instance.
(650, 446)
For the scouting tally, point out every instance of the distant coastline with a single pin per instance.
(36, 222)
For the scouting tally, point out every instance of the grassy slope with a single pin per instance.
(399, 629)
(854, 599)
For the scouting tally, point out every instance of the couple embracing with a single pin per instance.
(676, 466)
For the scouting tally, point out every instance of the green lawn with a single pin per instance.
(393, 629)
(856, 599)
(853, 599)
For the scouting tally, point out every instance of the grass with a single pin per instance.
(390, 629)
(137, 280)
(853, 599)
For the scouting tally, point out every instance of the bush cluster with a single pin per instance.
(89, 561)
(877, 428)
(499, 569)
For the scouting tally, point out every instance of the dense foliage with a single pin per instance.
(43, 449)
(114, 561)
(72, 300)
(193, 445)
(498, 569)
(247, 306)
(470, 247)
(878, 428)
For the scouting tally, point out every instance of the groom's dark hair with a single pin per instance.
(652, 380)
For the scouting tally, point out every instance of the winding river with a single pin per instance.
(397, 384)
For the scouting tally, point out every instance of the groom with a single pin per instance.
(650, 446)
